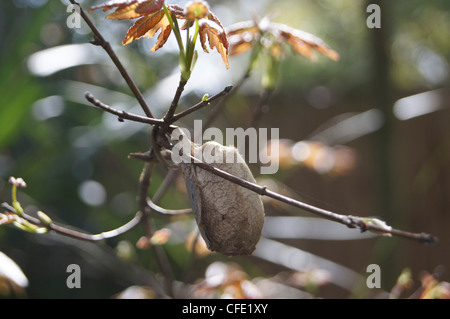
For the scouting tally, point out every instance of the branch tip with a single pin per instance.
(228, 89)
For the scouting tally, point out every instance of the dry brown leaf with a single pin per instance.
(145, 26)
(243, 36)
(130, 9)
(216, 38)
(153, 18)
(303, 42)
(196, 10)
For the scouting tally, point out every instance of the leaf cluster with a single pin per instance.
(155, 16)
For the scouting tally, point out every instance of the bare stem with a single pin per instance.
(122, 114)
(76, 234)
(173, 106)
(165, 211)
(349, 221)
(144, 185)
(100, 40)
(199, 105)
(161, 258)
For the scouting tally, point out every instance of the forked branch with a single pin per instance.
(100, 40)
(146, 205)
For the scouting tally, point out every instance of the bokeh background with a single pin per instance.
(368, 135)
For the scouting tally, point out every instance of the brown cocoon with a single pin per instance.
(230, 217)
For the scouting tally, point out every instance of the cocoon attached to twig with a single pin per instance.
(230, 217)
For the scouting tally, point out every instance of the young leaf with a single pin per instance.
(217, 38)
(303, 42)
(130, 9)
(244, 35)
(196, 10)
(147, 26)
(153, 18)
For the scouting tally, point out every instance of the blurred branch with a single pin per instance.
(168, 211)
(73, 233)
(261, 107)
(161, 258)
(100, 40)
(144, 208)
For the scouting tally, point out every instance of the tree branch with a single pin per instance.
(100, 40)
(168, 211)
(173, 106)
(76, 234)
(199, 105)
(122, 114)
(144, 185)
(363, 224)
(161, 258)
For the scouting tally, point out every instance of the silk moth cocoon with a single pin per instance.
(230, 217)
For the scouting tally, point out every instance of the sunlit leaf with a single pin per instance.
(176, 11)
(147, 27)
(242, 27)
(130, 9)
(196, 10)
(240, 46)
(304, 43)
(244, 35)
(241, 37)
(153, 19)
(217, 38)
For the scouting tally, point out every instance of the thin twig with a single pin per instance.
(349, 221)
(161, 258)
(144, 185)
(123, 115)
(201, 104)
(76, 234)
(173, 106)
(100, 40)
(165, 211)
